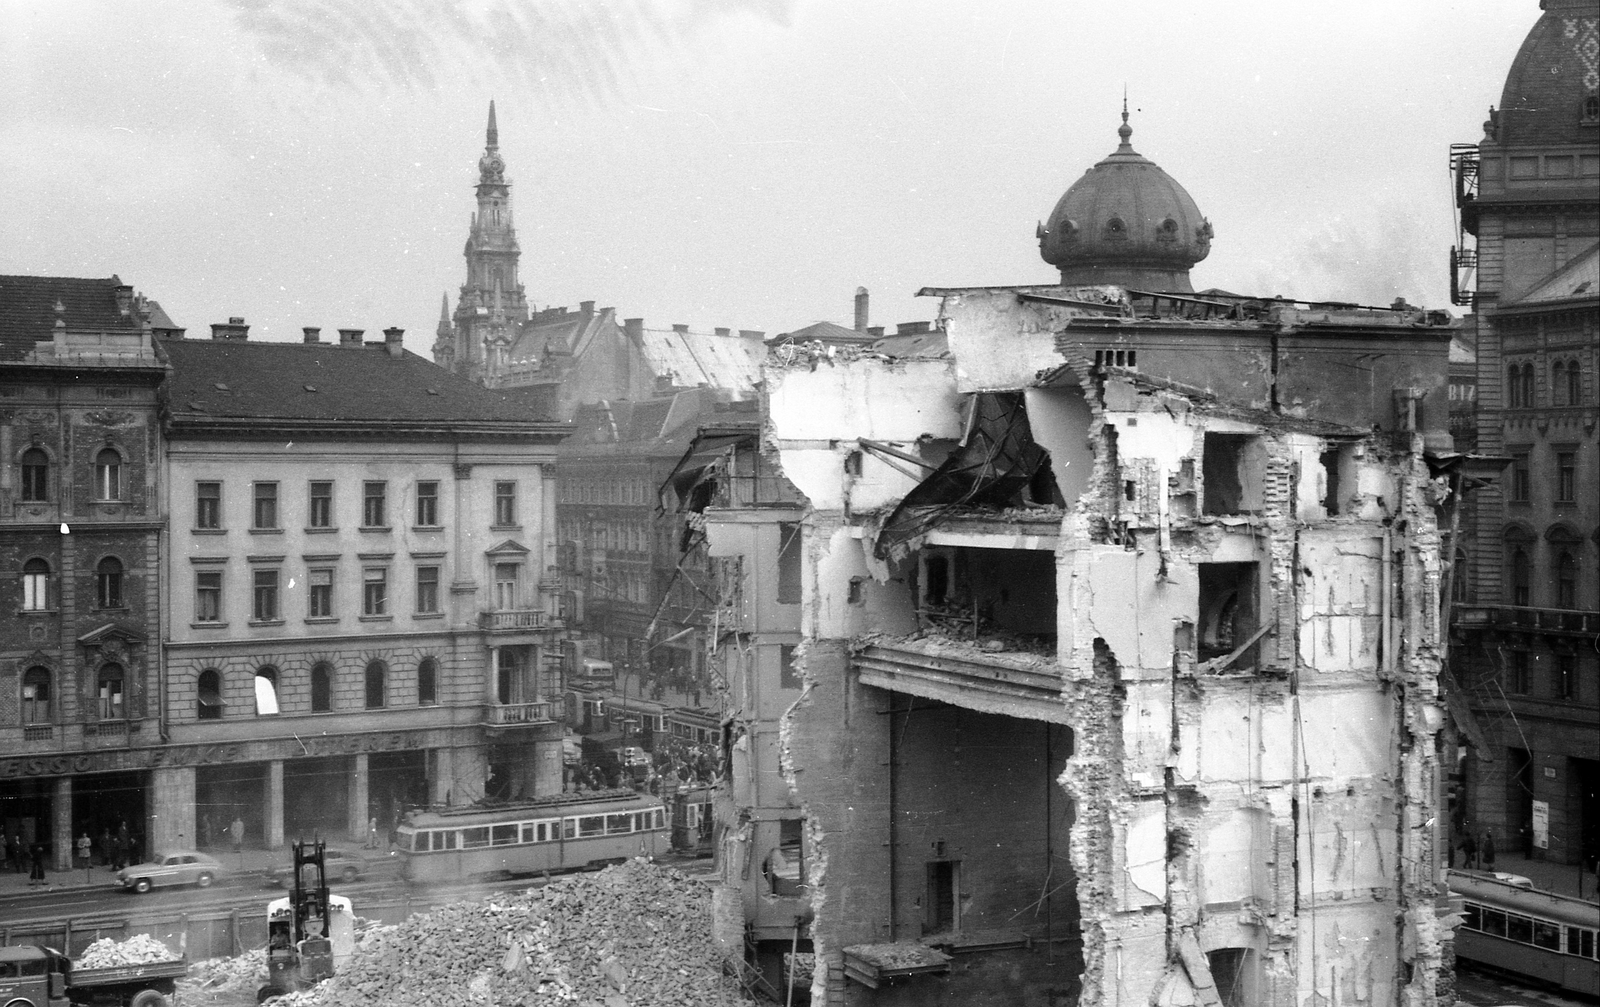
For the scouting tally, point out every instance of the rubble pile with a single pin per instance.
(226, 975)
(140, 949)
(635, 935)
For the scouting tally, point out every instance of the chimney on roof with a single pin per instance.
(311, 334)
(679, 327)
(751, 334)
(587, 307)
(861, 309)
(124, 299)
(910, 328)
(723, 332)
(875, 331)
(392, 341)
(350, 337)
(233, 329)
(633, 328)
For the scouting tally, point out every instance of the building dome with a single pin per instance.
(1551, 91)
(1126, 222)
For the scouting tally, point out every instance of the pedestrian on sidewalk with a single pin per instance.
(13, 852)
(372, 833)
(119, 850)
(238, 833)
(1469, 850)
(36, 876)
(1488, 850)
(84, 845)
(105, 847)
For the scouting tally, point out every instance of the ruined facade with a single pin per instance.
(1115, 678)
(1526, 615)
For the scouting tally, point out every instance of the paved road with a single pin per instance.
(1483, 989)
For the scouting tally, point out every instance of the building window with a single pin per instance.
(208, 596)
(1521, 592)
(321, 687)
(35, 476)
(1566, 580)
(505, 503)
(1517, 672)
(35, 585)
(788, 674)
(319, 594)
(427, 504)
(428, 682)
(320, 511)
(108, 582)
(1566, 477)
(1574, 383)
(788, 563)
(506, 576)
(36, 695)
(265, 607)
(209, 695)
(1558, 384)
(1521, 476)
(208, 506)
(266, 691)
(375, 677)
(427, 590)
(375, 591)
(375, 505)
(1566, 676)
(1460, 592)
(265, 515)
(108, 475)
(110, 692)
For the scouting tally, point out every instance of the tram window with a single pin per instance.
(569, 828)
(1580, 942)
(618, 823)
(449, 840)
(1494, 922)
(471, 839)
(532, 833)
(1546, 935)
(1519, 928)
(503, 835)
(592, 825)
(661, 818)
(1471, 917)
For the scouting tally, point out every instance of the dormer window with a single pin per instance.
(1115, 228)
(1168, 231)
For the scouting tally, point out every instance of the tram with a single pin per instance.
(564, 832)
(1546, 938)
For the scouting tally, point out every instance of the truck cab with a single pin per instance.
(33, 977)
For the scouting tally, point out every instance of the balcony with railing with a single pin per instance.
(504, 716)
(516, 620)
(1526, 619)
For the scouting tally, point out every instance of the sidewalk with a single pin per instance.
(1547, 876)
(255, 861)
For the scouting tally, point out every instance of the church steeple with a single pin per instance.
(492, 254)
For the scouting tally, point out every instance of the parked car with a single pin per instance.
(345, 864)
(175, 867)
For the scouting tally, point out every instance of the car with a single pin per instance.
(175, 867)
(345, 864)
(634, 758)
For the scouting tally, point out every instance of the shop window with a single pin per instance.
(209, 695)
(109, 683)
(108, 582)
(1229, 613)
(108, 475)
(36, 695)
(266, 691)
(1233, 468)
(321, 687)
(376, 674)
(35, 585)
(35, 476)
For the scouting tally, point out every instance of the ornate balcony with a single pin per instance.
(517, 620)
(1526, 619)
(503, 716)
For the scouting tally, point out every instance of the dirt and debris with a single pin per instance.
(140, 949)
(633, 935)
(898, 956)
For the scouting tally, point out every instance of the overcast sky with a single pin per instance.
(742, 163)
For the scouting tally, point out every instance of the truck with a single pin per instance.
(44, 977)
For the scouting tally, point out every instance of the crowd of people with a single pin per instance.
(113, 848)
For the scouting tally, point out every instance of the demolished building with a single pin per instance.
(1115, 672)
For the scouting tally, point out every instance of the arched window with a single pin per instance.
(107, 475)
(1527, 386)
(428, 682)
(1514, 387)
(209, 697)
(35, 585)
(321, 687)
(1574, 383)
(1520, 576)
(109, 681)
(1558, 384)
(35, 476)
(36, 695)
(375, 684)
(1460, 592)
(108, 582)
(266, 691)
(1566, 580)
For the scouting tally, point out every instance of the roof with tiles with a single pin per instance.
(237, 383)
(1557, 68)
(28, 309)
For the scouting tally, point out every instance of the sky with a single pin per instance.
(740, 163)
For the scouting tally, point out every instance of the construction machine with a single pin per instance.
(310, 933)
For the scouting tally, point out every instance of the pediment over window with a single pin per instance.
(509, 549)
(112, 640)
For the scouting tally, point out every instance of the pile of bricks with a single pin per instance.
(140, 949)
(635, 935)
(224, 981)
